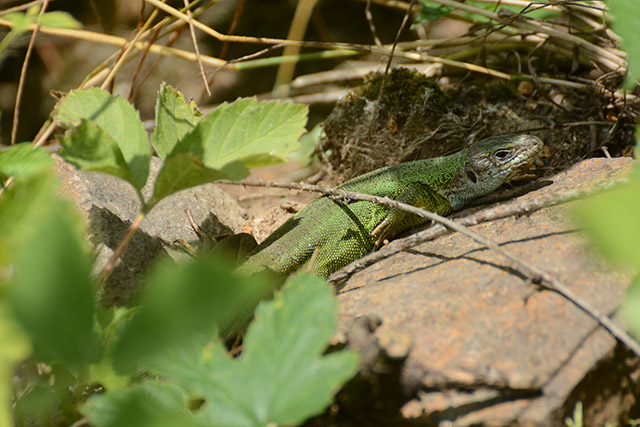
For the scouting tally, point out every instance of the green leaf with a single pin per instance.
(612, 221)
(114, 116)
(308, 144)
(175, 117)
(430, 13)
(22, 205)
(104, 374)
(21, 160)
(90, 148)
(180, 171)
(51, 293)
(59, 20)
(281, 376)
(576, 421)
(152, 404)
(625, 13)
(15, 347)
(631, 308)
(183, 303)
(20, 21)
(255, 133)
(20, 25)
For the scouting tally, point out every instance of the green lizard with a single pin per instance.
(342, 232)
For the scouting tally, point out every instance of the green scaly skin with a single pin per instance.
(342, 232)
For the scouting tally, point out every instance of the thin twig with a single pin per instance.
(119, 42)
(192, 31)
(117, 253)
(134, 90)
(127, 49)
(225, 46)
(372, 26)
(260, 40)
(23, 74)
(20, 8)
(536, 275)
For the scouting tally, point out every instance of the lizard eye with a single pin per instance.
(502, 154)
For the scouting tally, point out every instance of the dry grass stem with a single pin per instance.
(23, 75)
(192, 32)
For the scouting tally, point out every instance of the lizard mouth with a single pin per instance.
(529, 158)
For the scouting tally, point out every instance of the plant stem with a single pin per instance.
(117, 253)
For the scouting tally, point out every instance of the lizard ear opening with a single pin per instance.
(472, 177)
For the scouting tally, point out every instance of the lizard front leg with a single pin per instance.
(396, 221)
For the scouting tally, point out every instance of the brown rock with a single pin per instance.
(490, 348)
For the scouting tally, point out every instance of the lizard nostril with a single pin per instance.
(472, 176)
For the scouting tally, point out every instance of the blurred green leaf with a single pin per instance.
(631, 307)
(21, 160)
(22, 205)
(37, 405)
(247, 131)
(117, 118)
(90, 148)
(183, 303)
(626, 13)
(281, 376)
(430, 12)
(20, 25)
(51, 294)
(20, 20)
(15, 347)
(612, 219)
(58, 19)
(175, 117)
(308, 143)
(152, 404)
(104, 374)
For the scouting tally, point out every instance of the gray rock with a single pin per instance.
(110, 206)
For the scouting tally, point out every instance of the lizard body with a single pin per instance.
(341, 232)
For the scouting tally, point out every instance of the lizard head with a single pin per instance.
(493, 162)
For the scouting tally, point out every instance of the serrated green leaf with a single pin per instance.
(21, 160)
(152, 404)
(180, 171)
(625, 13)
(90, 148)
(281, 376)
(175, 117)
(612, 221)
(114, 116)
(183, 303)
(254, 133)
(15, 347)
(58, 19)
(51, 293)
